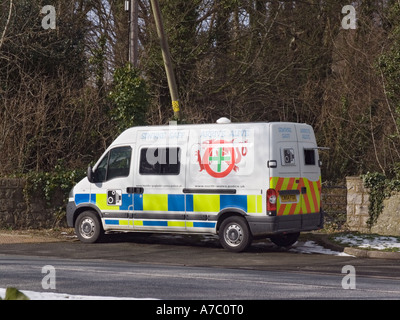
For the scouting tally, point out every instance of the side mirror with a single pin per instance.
(90, 174)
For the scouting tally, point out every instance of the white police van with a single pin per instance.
(236, 180)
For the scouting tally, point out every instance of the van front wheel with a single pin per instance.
(234, 234)
(88, 227)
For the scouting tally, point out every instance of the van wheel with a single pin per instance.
(88, 227)
(234, 234)
(285, 240)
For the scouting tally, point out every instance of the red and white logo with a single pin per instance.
(220, 157)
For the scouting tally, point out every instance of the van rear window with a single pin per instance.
(160, 161)
(309, 157)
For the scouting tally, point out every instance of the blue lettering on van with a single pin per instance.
(224, 134)
(162, 135)
(285, 132)
(240, 133)
(213, 134)
(305, 134)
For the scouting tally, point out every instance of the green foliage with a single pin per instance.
(47, 183)
(14, 294)
(380, 188)
(43, 77)
(129, 98)
(254, 60)
(376, 183)
(53, 187)
(97, 61)
(389, 61)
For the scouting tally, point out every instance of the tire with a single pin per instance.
(88, 227)
(234, 234)
(285, 240)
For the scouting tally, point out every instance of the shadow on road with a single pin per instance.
(205, 241)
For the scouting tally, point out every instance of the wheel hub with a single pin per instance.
(87, 228)
(234, 235)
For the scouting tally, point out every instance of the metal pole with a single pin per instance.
(167, 59)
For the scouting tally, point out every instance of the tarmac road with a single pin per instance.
(123, 279)
(190, 267)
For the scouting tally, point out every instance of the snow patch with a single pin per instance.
(310, 247)
(33, 295)
(369, 241)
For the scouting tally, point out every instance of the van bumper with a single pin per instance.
(264, 226)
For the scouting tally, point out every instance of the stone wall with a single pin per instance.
(18, 212)
(388, 222)
(357, 205)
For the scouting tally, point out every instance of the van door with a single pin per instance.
(310, 170)
(311, 177)
(160, 175)
(285, 172)
(310, 173)
(111, 178)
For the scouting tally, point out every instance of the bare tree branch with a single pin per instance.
(7, 23)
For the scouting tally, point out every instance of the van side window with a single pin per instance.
(115, 164)
(309, 157)
(101, 171)
(160, 161)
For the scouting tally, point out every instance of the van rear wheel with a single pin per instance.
(234, 234)
(88, 227)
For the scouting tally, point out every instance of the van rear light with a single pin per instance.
(271, 202)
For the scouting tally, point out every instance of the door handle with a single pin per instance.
(136, 190)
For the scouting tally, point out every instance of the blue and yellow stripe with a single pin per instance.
(199, 203)
(159, 223)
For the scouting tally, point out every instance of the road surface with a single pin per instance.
(157, 267)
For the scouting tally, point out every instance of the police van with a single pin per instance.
(236, 180)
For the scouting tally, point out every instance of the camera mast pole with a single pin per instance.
(167, 59)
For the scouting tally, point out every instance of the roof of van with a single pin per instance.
(126, 136)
